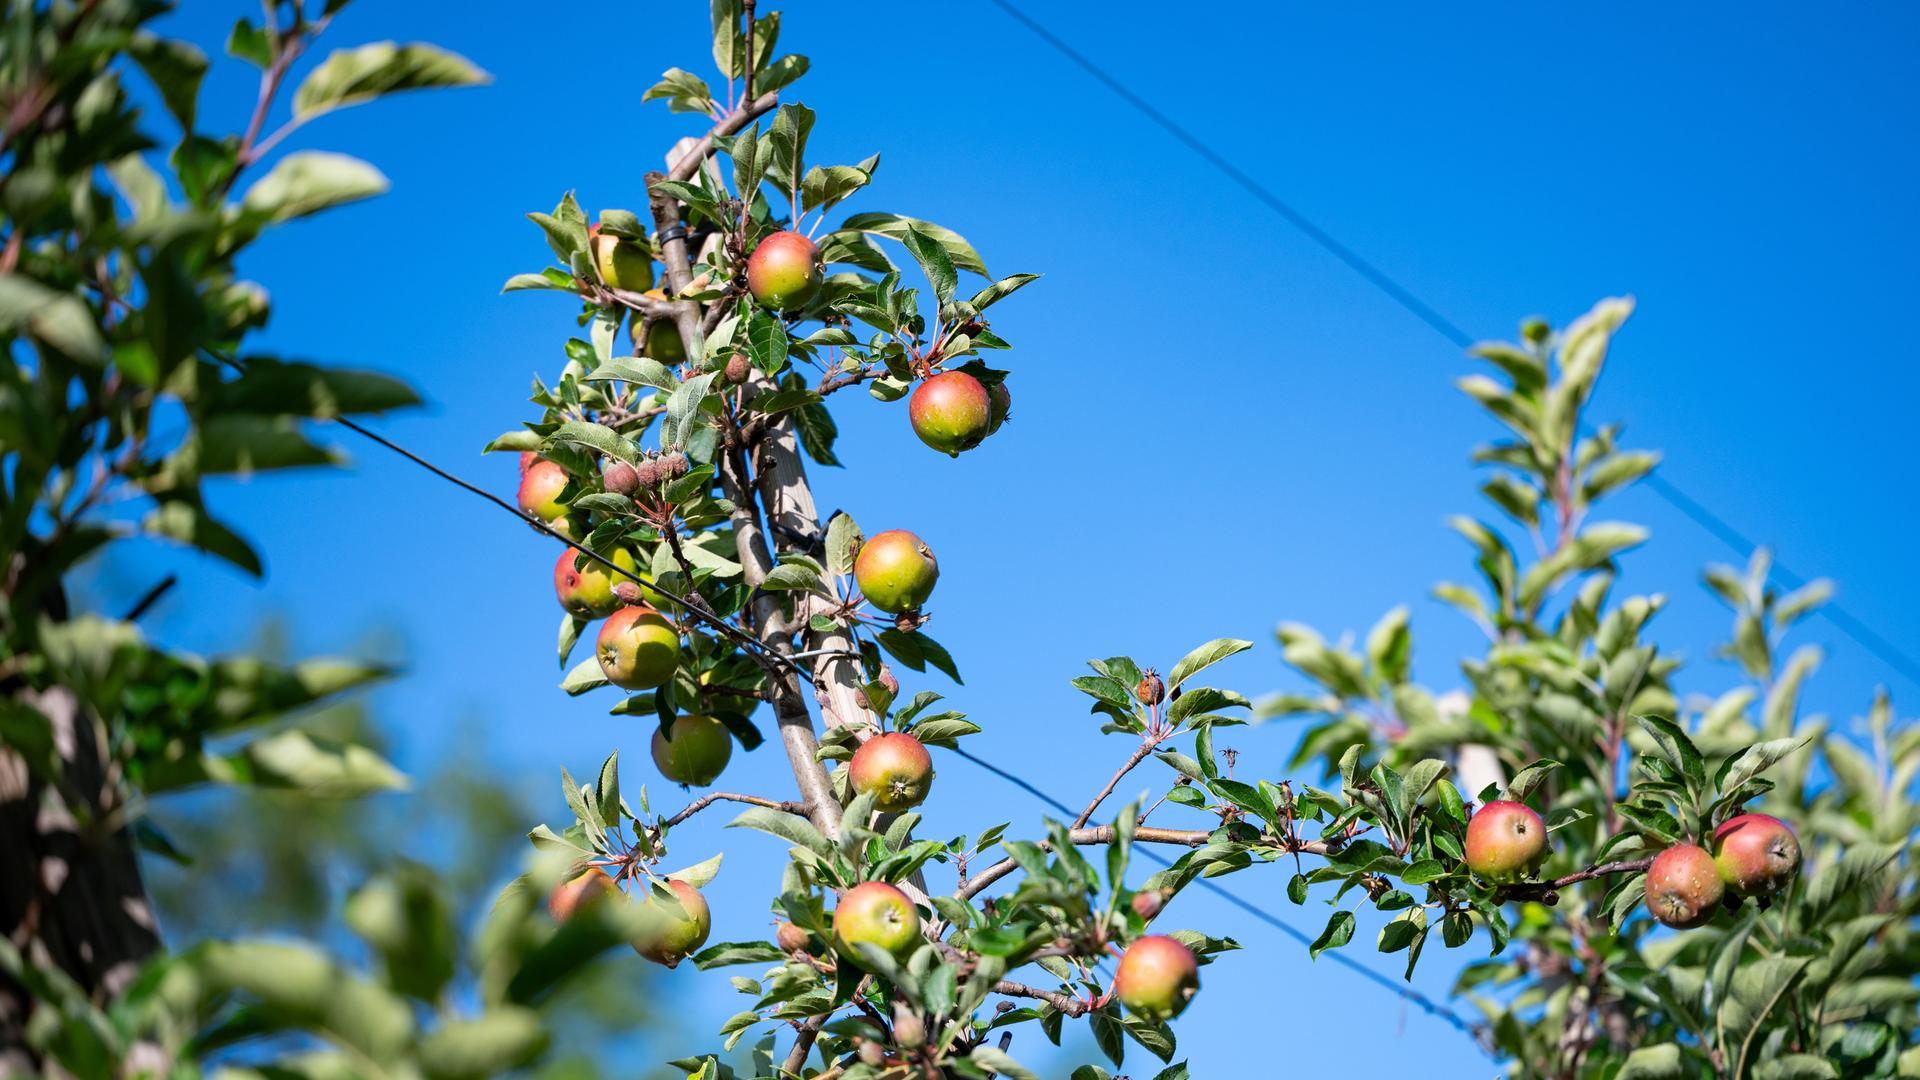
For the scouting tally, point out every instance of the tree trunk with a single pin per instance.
(70, 890)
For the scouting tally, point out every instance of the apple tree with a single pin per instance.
(129, 382)
(1564, 810)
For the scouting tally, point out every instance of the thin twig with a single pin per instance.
(746, 114)
(1066, 1003)
(1139, 754)
(712, 797)
(1548, 892)
(1105, 834)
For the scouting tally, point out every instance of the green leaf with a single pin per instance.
(789, 827)
(995, 1060)
(502, 1039)
(780, 73)
(822, 187)
(640, 370)
(355, 76)
(1526, 780)
(843, 543)
(319, 768)
(1000, 290)
(700, 874)
(1338, 932)
(189, 523)
(596, 438)
(404, 917)
(784, 147)
(1798, 1067)
(1678, 749)
(1755, 760)
(934, 261)
(271, 387)
(802, 576)
(1424, 871)
(310, 181)
(682, 91)
(728, 953)
(1661, 1062)
(895, 226)
(248, 42)
(59, 319)
(176, 69)
(1204, 657)
(302, 988)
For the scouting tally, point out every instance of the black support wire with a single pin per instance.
(1693, 509)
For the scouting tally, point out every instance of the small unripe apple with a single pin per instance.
(674, 465)
(583, 888)
(541, 483)
(667, 936)
(1156, 978)
(896, 571)
(622, 263)
(1506, 841)
(1756, 855)
(951, 412)
(999, 404)
(875, 913)
(909, 1030)
(663, 337)
(638, 648)
(739, 368)
(895, 769)
(586, 589)
(620, 478)
(1149, 903)
(1684, 887)
(693, 750)
(791, 938)
(784, 270)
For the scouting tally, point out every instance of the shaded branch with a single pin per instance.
(1066, 1003)
(1548, 892)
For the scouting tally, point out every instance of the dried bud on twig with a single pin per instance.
(1152, 690)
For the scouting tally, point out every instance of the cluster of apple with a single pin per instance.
(1154, 980)
(638, 647)
(665, 932)
(951, 411)
(1750, 856)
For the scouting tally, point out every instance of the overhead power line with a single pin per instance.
(1835, 613)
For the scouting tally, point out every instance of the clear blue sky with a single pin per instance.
(1216, 426)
